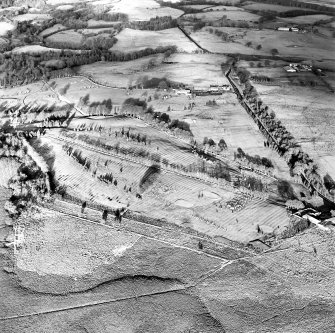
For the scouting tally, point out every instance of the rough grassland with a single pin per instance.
(65, 254)
(289, 291)
(171, 312)
(133, 40)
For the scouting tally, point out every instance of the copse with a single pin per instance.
(180, 124)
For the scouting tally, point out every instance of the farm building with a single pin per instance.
(259, 245)
(182, 91)
(291, 29)
(212, 90)
(289, 69)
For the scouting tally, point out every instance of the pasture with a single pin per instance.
(5, 27)
(34, 49)
(32, 17)
(222, 7)
(270, 7)
(143, 10)
(199, 70)
(234, 15)
(290, 44)
(310, 119)
(326, 3)
(66, 39)
(215, 44)
(133, 40)
(52, 30)
(306, 19)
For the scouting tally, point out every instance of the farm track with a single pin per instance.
(89, 305)
(62, 99)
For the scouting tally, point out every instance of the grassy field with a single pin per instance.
(276, 282)
(222, 7)
(32, 17)
(234, 15)
(5, 27)
(68, 39)
(306, 19)
(133, 40)
(142, 11)
(52, 30)
(270, 7)
(327, 3)
(75, 255)
(197, 70)
(310, 119)
(289, 44)
(215, 44)
(173, 311)
(34, 49)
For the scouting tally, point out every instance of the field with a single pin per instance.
(210, 16)
(196, 72)
(287, 44)
(144, 11)
(134, 40)
(311, 119)
(309, 19)
(32, 17)
(52, 30)
(270, 7)
(5, 27)
(76, 255)
(68, 39)
(215, 44)
(228, 8)
(34, 49)
(327, 3)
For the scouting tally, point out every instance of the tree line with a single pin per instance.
(298, 160)
(20, 68)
